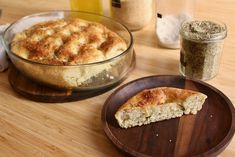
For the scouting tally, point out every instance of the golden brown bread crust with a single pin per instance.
(158, 96)
(67, 42)
(157, 104)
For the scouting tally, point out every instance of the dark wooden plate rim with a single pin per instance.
(211, 152)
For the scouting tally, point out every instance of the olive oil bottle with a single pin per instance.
(94, 6)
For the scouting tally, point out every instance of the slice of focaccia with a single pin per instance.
(158, 104)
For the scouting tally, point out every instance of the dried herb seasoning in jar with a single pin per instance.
(201, 48)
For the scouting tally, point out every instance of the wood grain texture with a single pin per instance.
(205, 134)
(74, 129)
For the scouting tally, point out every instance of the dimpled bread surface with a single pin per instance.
(67, 42)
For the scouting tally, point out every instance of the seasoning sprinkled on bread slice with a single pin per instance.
(157, 104)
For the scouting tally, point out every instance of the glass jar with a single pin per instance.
(170, 15)
(135, 14)
(201, 48)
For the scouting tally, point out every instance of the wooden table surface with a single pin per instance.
(34, 129)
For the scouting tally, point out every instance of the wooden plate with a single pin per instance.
(204, 134)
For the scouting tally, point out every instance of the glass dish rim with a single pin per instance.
(9, 52)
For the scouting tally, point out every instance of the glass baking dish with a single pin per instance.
(77, 77)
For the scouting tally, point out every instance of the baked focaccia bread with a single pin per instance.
(157, 104)
(71, 41)
(68, 42)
